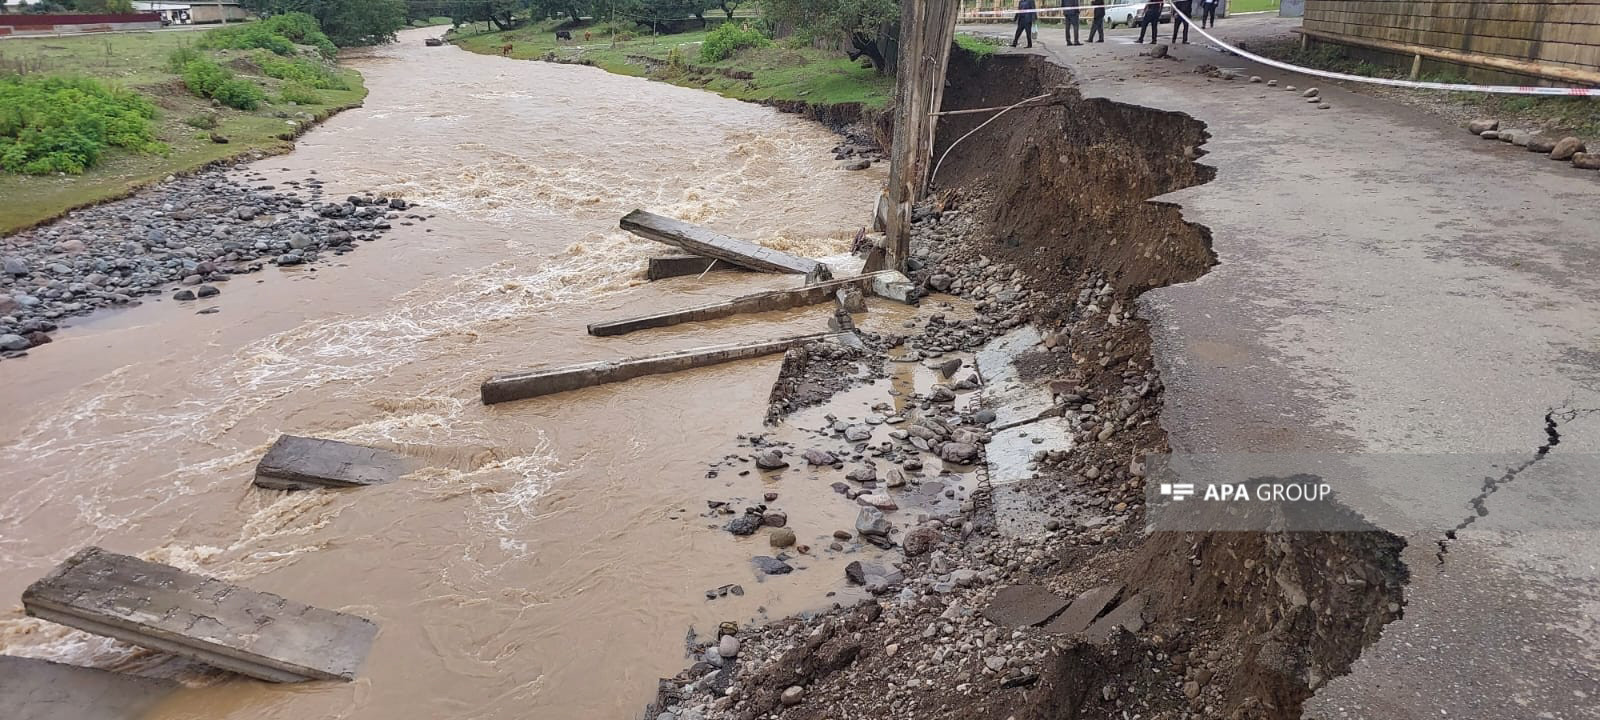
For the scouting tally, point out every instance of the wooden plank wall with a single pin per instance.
(1560, 32)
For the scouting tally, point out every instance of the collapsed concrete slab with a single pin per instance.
(700, 241)
(671, 266)
(534, 383)
(1083, 611)
(1023, 606)
(163, 608)
(302, 463)
(42, 690)
(753, 303)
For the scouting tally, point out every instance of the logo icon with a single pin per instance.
(1177, 491)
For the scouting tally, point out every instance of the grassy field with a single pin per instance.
(1244, 6)
(138, 61)
(774, 74)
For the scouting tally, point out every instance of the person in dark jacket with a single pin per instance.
(1180, 16)
(1073, 18)
(1097, 27)
(1025, 18)
(1208, 13)
(1151, 21)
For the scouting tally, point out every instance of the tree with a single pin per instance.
(868, 26)
(728, 6)
(346, 22)
(99, 7)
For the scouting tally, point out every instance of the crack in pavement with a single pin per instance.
(1552, 430)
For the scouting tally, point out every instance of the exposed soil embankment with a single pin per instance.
(1046, 210)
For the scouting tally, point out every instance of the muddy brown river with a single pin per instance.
(550, 558)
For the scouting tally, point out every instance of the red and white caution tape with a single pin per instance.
(1040, 11)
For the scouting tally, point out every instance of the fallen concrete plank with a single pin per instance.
(1084, 609)
(533, 383)
(661, 268)
(1129, 615)
(892, 285)
(42, 690)
(163, 608)
(1023, 606)
(302, 463)
(753, 303)
(701, 241)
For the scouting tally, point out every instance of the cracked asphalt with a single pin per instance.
(1419, 302)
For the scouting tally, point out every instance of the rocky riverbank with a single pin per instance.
(185, 236)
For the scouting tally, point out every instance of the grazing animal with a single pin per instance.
(505, 49)
(587, 36)
(563, 35)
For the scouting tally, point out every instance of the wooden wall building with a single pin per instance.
(1517, 41)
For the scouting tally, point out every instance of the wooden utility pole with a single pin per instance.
(927, 29)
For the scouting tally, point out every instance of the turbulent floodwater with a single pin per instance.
(548, 561)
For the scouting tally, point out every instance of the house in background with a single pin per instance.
(1545, 43)
(198, 12)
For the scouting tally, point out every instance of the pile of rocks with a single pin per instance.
(1568, 148)
(192, 232)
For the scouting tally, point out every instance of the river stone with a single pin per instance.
(855, 573)
(9, 305)
(819, 457)
(781, 538)
(920, 541)
(11, 342)
(1481, 125)
(14, 266)
(1510, 136)
(1310, 92)
(771, 460)
(206, 291)
(771, 565)
(183, 295)
(1541, 145)
(870, 521)
(745, 524)
(857, 433)
(856, 164)
(728, 646)
(1566, 148)
(1586, 161)
(792, 695)
(862, 475)
(69, 246)
(774, 518)
(880, 501)
(1490, 134)
(959, 453)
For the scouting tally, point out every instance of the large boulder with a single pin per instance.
(1566, 148)
(1541, 145)
(959, 452)
(1481, 125)
(870, 521)
(1586, 161)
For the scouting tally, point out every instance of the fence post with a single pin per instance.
(927, 29)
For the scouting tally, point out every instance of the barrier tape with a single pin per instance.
(1328, 74)
(1042, 11)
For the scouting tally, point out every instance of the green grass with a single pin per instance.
(1244, 6)
(777, 74)
(431, 22)
(139, 62)
(980, 46)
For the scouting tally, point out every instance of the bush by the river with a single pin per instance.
(304, 71)
(65, 124)
(727, 39)
(205, 78)
(279, 33)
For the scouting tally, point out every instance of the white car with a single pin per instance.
(1124, 12)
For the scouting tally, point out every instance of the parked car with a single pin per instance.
(1127, 12)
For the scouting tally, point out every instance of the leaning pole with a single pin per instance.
(927, 29)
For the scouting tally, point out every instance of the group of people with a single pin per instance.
(1149, 19)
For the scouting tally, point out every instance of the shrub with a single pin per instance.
(728, 39)
(181, 57)
(205, 78)
(279, 33)
(203, 121)
(301, 70)
(299, 94)
(240, 94)
(61, 124)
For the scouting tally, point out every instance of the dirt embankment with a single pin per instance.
(1048, 208)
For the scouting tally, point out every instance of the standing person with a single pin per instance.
(1208, 13)
(1025, 17)
(1098, 26)
(1180, 16)
(1073, 19)
(1151, 21)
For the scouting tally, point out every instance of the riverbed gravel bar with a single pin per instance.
(184, 236)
